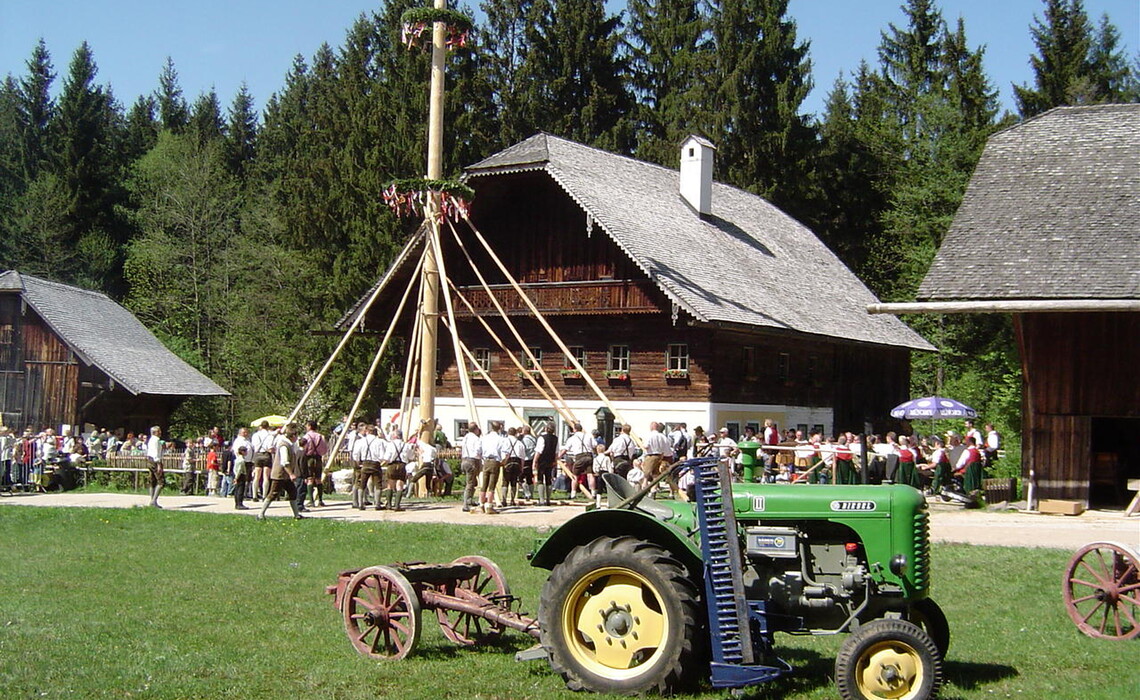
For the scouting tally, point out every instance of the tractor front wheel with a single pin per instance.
(621, 615)
(888, 660)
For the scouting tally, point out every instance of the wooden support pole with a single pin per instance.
(494, 386)
(542, 320)
(464, 380)
(356, 323)
(368, 378)
(566, 415)
(506, 319)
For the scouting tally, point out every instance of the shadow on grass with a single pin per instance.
(969, 676)
(506, 644)
(810, 670)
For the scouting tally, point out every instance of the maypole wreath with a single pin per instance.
(409, 196)
(418, 22)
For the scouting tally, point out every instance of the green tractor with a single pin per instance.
(657, 596)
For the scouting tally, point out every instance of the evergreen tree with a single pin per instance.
(206, 123)
(88, 167)
(12, 183)
(763, 75)
(172, 109)
(669, 59)
(1114, 79)
(1075, 63)
(850, 171)
(36, 111)
(241, 133)
(141, 129)
(503, 46)
(572, 75)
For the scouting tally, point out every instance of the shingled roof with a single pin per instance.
(1052, 212)
(746, 263)
(106, 335)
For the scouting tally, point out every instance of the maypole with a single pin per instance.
(430, 327)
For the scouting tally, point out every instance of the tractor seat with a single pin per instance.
(619, 489)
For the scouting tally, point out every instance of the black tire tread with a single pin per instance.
(874, 631)
(632, 552)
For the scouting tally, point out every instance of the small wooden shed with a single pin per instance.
(69, 356)
(1049, 231)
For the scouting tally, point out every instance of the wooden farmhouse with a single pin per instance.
(686, 300)
(1049, 231)
(72, 357)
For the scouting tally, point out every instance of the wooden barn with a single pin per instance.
(69, 356)
(687, 300)
(1049, 231)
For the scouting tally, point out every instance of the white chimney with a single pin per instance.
(697, 173)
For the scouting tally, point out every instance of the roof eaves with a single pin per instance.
(670, 293)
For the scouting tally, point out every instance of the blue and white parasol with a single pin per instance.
(932, 407)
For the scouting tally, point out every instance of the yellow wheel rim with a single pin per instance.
(891, 670)
(614, 623)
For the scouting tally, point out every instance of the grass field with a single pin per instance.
(159, 604)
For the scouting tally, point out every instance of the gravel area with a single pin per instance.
(949, 523)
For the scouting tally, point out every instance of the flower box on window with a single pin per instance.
(571, 373)
(676, 374)
(537, 374)
(478, 374)
(617, 375)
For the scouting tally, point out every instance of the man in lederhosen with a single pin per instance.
(262, 459)
(154, 451)
(283, 471)
(369, 451)
(545, 457)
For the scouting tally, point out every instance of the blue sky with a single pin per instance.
(222, 44)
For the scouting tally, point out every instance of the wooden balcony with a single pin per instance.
(565, 298)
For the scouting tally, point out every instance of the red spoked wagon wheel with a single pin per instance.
(381, 613)
(465, 628)
(1101, 589)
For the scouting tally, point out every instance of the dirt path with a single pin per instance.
(949, 523)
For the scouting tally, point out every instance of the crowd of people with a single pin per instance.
(501, 466)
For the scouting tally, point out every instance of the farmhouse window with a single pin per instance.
(482, 359)
(619, 358)
(578, 353)
(677, 358)
(529, 363)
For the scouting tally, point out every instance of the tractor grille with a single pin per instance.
(921, 570)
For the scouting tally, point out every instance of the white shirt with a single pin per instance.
(575, 445)
(426, 452)
(263, 441)
(726, 446)
(622, 446)
(242, 441)
(370, 448)
(658, 444)
(492, 445)
(993, 440)
(472, 447)
(154, 448)
(515, 448)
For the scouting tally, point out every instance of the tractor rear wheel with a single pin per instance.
(621, 615)
(888, 659)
